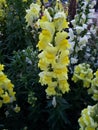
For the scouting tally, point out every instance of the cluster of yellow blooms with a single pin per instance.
(54, 48)
(53, 58)
(84, 73)
(2, 11)
(32, 14)
(7, 95)
(94, 87)
(89, 118)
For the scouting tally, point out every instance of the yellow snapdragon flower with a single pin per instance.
(60, 21)
(53, 46)
(6, 98)
(32, 14)
(53, 59)
(84, 73)
(17, 108)
(88, 121)
(94, 87)
(7, 93)
(51, 91)
(2, 3)
(1, 67)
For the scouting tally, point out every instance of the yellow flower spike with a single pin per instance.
(86, 120)
(6, 89)
(82, 124)
(53, 58)
(84, 73)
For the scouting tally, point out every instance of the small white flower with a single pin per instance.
(83, 40)
(23, 50)
(28, 61)
(60, 15)
(82, 46)
(73, 22)
(7, 113)
(73, 60)
(79, 29)
(83, 16)
(76, 18)
(54, 102)
(92, 11)
(71, 34)
(93, 30)
(85, 4)
(72, 46)
(89, 21)
(93, 3)
(91, 15)
(85, 26)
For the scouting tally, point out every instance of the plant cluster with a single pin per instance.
(7, 94)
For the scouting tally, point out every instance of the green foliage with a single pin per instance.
(22, 70)
(58, 118)
(14, 33)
